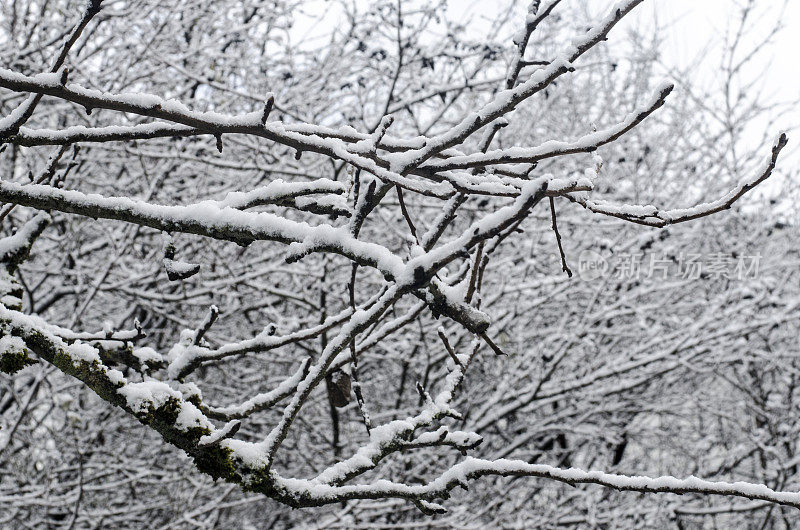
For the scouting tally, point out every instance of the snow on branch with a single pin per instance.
(651, 216)
(554, 148)
(211, 122)
(507, 100)
(312, 493)
(210, 219)
(480, 197)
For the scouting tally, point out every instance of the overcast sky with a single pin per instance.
(690, 29)
(694, 27)
(700, 24)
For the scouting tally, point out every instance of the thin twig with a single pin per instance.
(492, 345)
(564, 265)
(405, 213)
(213, 313)
(474, 273)
(449, 348)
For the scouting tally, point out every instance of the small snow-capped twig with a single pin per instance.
(487, 227)
(15, 248)
(443, 436)
(473, 468)
(45, 177)
(364, 203)
(473, 276)
(266, 340)
(521, 39)
(261, 401)
(374, 141)
(227, 431)
(210, 219)
(358, 323)
(393, 436)
(11, 124)
(123, 336)
(111, 133)
(217, 124)
(213, 313)
(389, 327)
(442, 221)
(176, 269)
(652, 216)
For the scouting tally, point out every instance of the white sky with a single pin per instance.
(698, 26)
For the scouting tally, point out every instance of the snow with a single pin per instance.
(23, 235)
(146, 355)
(12, 344)
(115, 376)
(78, 351)
(250, 454)
(147, 395)
(102, 133)
(16, 115)
(333, 202)
(83, 352)
(219, 434)
(190, 417)
(182, 354)
(190, 390)
(278, 190)
(209, 217)
(179, 270)
(142, 396)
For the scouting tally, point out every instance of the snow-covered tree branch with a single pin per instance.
(323, 271)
